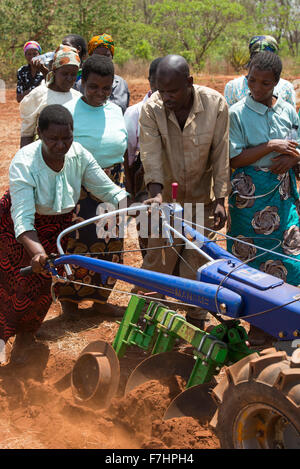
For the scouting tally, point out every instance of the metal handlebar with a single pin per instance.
(26, 271)
(88, 222)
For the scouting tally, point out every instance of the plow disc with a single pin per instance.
(96, 374)
(160, 366)
(194, 402)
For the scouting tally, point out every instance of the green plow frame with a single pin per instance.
(225, 344)
(157, 330)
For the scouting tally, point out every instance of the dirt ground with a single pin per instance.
(37, 407)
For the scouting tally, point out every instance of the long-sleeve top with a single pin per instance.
(195, 157)
(101, 130)
(120, 93)
(237, 89)
(35, 187)
(32, 105)
(131, 117)
(253, 123)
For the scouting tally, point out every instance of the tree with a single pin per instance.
(196, 29)
(281, 19)
(191, 27)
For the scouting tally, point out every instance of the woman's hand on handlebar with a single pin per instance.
(35, 250)
(38, 262)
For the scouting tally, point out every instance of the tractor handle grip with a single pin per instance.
(174, 191)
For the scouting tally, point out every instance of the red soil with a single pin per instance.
(36, 402)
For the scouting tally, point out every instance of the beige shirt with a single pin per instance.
(195, 157)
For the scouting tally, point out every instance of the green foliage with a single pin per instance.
(238, 56)
(121, 56)
(145, 29)
(143, 50)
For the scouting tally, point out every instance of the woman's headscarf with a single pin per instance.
(64, 55)
(32, 45)
(261, 43)
(104, 40)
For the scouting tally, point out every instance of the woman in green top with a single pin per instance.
(45, 180)
(264, 204)
(100, 128)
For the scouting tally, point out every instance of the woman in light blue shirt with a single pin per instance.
(99, 126)
(45, 179)
(237, 89)
(264, 204)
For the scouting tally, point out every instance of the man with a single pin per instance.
(184, 139)
(238, 88)
(132, 163)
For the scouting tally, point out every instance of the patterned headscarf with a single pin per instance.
(64, 55)
(32, 45)
(105, 40)
(261, 43)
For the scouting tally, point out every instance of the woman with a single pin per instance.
(79, 43)
(238, 88)
(56, 90)
(45, 180)
(100, 127)
(104, 45)
(31, 75)
(264, 203)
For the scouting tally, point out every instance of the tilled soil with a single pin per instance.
(37, 407)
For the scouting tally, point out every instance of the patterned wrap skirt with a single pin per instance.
(264, 211)
(95, 243)
(24, 301)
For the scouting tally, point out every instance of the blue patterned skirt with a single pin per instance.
(264, 211)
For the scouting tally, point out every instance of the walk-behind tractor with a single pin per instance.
(252, 399)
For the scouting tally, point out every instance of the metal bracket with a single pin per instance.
(172, 320)
(153, 309)
(54, 280)
(162, 322)
(213, 344)
(211, 347)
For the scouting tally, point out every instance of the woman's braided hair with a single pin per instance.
(266, 60)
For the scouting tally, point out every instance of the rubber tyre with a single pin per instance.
(259, 403)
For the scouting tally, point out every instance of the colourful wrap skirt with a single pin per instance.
(264, 211)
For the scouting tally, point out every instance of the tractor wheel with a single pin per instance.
(259, 403)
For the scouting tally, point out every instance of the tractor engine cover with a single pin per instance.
(271, 304)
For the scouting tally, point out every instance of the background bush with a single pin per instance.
(208, 33)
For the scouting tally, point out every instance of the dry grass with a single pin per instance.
(133, 69)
